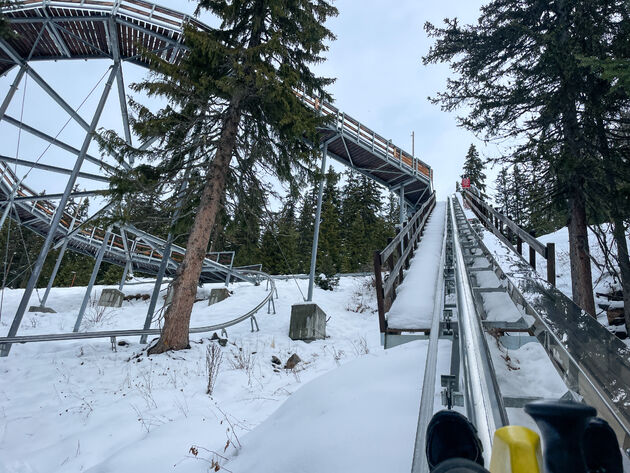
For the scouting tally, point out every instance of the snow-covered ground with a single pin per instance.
(79, 406)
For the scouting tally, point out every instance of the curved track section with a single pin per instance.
(251, 315)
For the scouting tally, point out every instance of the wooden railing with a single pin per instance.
(395, 258)
(510, 233)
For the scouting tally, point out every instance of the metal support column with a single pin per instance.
(12, 89)
(318, 213)
(37, 269)
(128, 264)
(88, 291)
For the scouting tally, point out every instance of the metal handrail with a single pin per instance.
(360, 132)
(154, 331)
(592, 361)
(136, 9)
(386, 290)
(392, 245)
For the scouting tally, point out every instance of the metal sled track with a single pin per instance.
(271, 289)
(593, 363)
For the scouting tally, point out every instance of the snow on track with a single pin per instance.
(359, 418)
(413, 307)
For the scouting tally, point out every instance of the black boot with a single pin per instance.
(451, 436)
(601, 449)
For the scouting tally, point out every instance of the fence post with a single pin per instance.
(550, 254)
(532, 257)
(378, 278)
(519, 245)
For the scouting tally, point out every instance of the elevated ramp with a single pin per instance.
(144, 251)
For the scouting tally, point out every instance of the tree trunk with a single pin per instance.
(619, 233)
(579, 253)
(177, 318)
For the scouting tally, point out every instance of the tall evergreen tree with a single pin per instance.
(5, 25)
(231, 98)
(520, 71)
(502, 192)
(473, 170)
(329, 249)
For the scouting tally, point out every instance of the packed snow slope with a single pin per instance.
(413, 307)
(78, 406)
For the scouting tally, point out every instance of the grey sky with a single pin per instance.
(380, 81)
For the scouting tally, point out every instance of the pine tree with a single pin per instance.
(503, 191)
(329, 248)
(5, 26)
(305, 229)
(231, 98)
(521, 74)
(473, 170)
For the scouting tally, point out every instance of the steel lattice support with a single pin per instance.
(30, 286)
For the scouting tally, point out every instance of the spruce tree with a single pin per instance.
(473, 170)
(520, 74)
(232, 112)
(329, 249)
(502, 192)
(5, 26)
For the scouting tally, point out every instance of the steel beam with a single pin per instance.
(54, 141)
(36, 198)
(318, 213)
(43, 84)
(12, 89)
(48, 167)
(88, 290)
(39, 263)
(115, 49)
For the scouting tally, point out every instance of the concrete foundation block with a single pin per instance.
(308, 322)
(46, 310)
(218, 294)
(111, 298)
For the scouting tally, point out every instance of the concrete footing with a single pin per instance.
(111, 298)
(218, 294)
(308, 322)
(46, 310)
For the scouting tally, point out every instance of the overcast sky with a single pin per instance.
(376, 60)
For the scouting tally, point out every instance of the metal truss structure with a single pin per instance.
(133, 31)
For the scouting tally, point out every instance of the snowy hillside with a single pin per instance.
(79, 406)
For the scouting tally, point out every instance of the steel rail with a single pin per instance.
(484, 405)
(427, 400)
(137, 332)
(592, 362)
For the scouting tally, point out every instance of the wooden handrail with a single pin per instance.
(494, 221)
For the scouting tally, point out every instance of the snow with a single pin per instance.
(413, 306)
(366, 424)
(78, 406)
(347, 406)
(499, 307)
